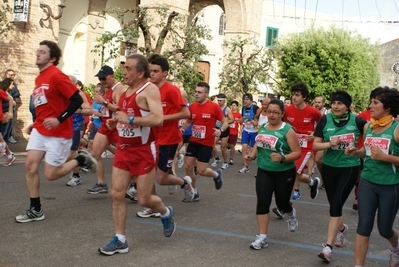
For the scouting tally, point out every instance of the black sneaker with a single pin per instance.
(278, 212)
(314, 189)
(218, 180)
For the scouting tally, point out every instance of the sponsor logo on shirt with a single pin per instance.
(291, 119)
(306, 120)
(206, 115)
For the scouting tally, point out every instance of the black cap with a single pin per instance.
(105, 70)
(249, 96)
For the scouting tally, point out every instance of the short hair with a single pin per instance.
(5, 84)
(322, 98)
(80, 84)
(55, 51)
(156, 59)
(221, 95)
(234, 102)
(8, 71)
(389, 97)
(288, 98)
(302, 88)
(279, 103)
(204, 85)
(141, 64)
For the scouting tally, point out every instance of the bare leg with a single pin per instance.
(361, 247)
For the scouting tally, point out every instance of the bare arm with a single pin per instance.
(182, 114)
(86, 108)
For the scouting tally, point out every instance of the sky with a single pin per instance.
(363, 15)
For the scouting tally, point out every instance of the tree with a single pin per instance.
(178, 37)
(327, 60)
(5, 13)
(245, 66)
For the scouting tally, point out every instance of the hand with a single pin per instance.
(121, 117)
(377, 154)
(310, 137)
(248, 157)
(276, 157)
(350, 151)
(29, 129)
(217, 132)
(334, 141)
(111, 123)
(50, 123)
(10, 115)
(98, 99)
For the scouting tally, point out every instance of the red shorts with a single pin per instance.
(112, 136)
(303, 161)
(138, 160)
(233, 139)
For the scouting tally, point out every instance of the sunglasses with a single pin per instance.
(102, 79)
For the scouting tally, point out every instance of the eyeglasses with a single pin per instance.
(270, 112)
(198, 92)
(12, 75)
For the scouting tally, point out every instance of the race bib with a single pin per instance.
(128, 131)
(39, 97)
(105, 111)
(266, 141)
(232, 125)
(303, 140)
(199, 131)
(181, 122)
(345, 140)
(382, 143)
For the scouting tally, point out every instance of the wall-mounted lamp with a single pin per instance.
(47, 10)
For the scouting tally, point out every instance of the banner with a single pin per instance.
(21, 10)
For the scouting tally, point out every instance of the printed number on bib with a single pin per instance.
(128, 131)
(199, 131)
(39, 97)
(345, 140)
(303, 140)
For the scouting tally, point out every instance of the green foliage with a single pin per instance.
(245, 65)
(327, 60)
(163, 31)
(5, 14)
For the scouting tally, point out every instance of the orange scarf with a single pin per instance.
(381, 122)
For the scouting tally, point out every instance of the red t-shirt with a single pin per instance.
(204, 119)
(87, 118)
(172, 102)
(51, 95)
(105, 111)
(3, 95)
(304, 121)
(367, 116)
(235, 125)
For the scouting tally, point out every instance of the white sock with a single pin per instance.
(217, 174)
(195, 190)
(9, 156)
(121, 238)
(293, 216)
(167, 213)
(311, 182)
(263, 236)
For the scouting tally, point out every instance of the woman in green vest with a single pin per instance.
(334, 133)
(379, 184)
(277, 148)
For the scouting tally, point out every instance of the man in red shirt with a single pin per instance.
(204, 114)
(55, 99)
(169, 136)
(234, 130)
(104, 137)
(304, 119)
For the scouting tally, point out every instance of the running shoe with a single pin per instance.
(278, 212)
(74, 181)
(9, 161)
(259, 243)
(224, 166)
(216, 161)
(325, 254)
(340, 237)
(314, 189)
(131, 193)
(244, 170)
(172, 189)
(104, 154)
(195, 199)
(355, 204)
(147, 213)
(30, 215)
(292, 223)
(90, 162)
(393, 259)
(180, 161)
(231, 162)
(218, 180)
(98, 188)
(169, 225)
(296, 195)
(189, 193)
(115, 246)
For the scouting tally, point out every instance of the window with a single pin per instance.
(222, 24)
(271, 36)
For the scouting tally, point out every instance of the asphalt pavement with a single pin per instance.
(216, 231)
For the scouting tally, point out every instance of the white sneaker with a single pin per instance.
(180, 161)
(325, 254)
(393, 259)
(340, 237)
(74, 181)
(292, 224)
(225, 166)
(172, 189)
(131, 193)
(259, 243)
(147, 213)
(104, 154)
(244, 170)
(215, 162)
(12, 140)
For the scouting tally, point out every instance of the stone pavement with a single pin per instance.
(216, 231)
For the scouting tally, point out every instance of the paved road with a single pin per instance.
(215, 231)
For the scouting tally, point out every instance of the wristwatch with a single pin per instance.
(105, 103)
(282, 159)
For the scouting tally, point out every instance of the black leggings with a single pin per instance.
(373, 197)
(338, 183)
(281, 183)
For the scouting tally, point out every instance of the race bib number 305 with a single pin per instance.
(345, 140)
(199, 131)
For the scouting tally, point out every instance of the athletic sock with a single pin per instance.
(167, 213)
(35, 203)
(121, 238)
(311, 182)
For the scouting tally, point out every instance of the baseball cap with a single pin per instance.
(105, 70)
(249, 96)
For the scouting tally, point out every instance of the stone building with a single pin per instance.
(389, 66)
(75, 24)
